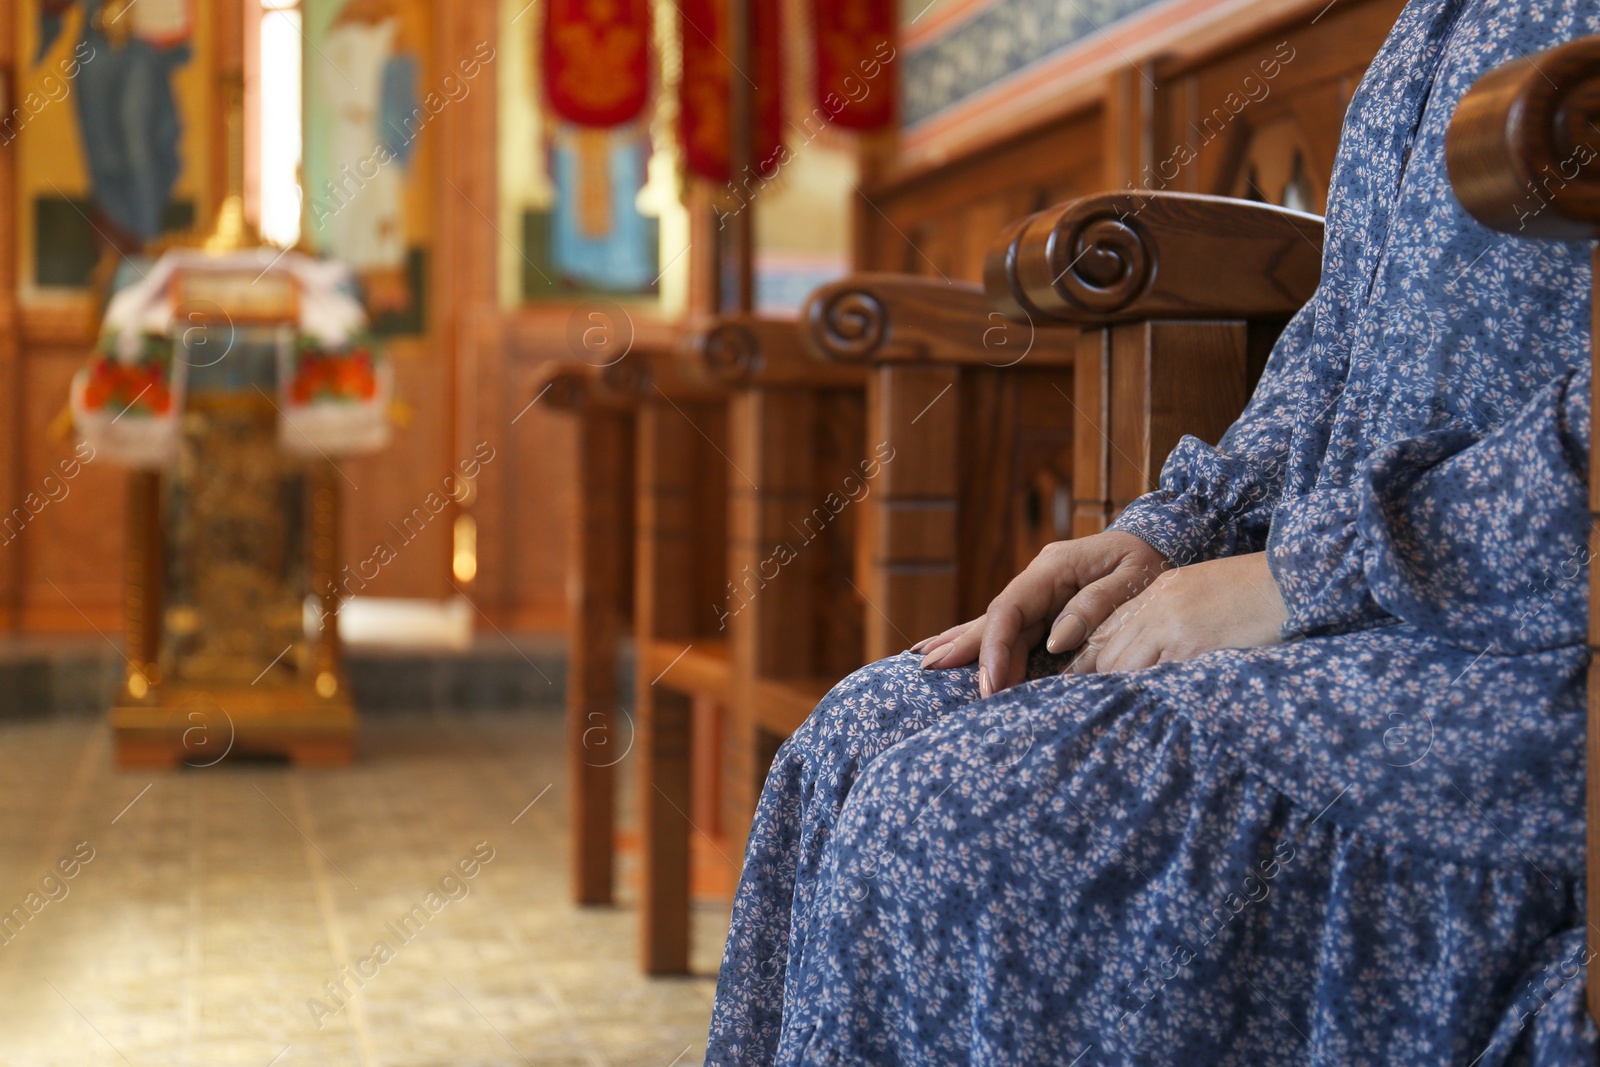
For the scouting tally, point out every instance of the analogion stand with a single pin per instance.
(232, 594)
(299, 708)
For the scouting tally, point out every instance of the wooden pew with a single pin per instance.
(600, 605)
(1522, 157)
(682, 653)
(743, 595)
(801, 470)
(976, 415)
(1178, 297)
(1077, 387)
(605, 400)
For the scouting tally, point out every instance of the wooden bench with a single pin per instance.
(983, 457)
(1036, 410)
(1170, 343)
(605, 402)
(977, 416)
(1522, 157)
(744, 590)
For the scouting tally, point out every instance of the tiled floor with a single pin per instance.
(223, 908)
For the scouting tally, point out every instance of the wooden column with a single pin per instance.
(323, 491)
(771, 442)
(11, 459)
(141, 598)
(665, 565)
(1169, 379)
(601, 557)
(908, 542)
(1091, 433)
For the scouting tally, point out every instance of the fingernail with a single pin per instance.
(920, 645)
(936, 655)
(985, 687)
(1068, 634)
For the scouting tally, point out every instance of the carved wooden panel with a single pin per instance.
(1261, 118)
(939, 224)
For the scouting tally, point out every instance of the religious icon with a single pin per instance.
(127, 114)
(368, 83)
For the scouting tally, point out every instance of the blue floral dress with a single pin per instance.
(1364, 846)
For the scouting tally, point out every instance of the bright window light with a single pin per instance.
(279, 147)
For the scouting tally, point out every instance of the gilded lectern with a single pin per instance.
(229, 383)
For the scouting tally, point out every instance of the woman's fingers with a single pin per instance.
(1141, 648)
(1106, 638)
(956, 647)
(1091, 606)
(1002, 637)
(1027, 641)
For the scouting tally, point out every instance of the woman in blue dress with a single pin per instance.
(1314, 795)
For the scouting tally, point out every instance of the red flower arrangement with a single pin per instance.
(345, 375)
(141, 388)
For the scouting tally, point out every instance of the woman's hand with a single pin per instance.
(1071, 586)
(1223, 603)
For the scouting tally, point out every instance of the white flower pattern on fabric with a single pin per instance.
(1364, 846)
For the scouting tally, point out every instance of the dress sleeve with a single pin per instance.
(1218, 501)
(1484, 541)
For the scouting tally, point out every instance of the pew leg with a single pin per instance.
(593, 810)
(664, 802)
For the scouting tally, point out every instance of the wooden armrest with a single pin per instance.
(1118, 257)
(871, 318)
(641, 374)
(571, 385)
(784, 703)
(704, 666)
(1521, 145)
(762, 350)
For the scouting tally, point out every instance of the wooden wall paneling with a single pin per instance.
(393, 497)
(493, 392)
(11, 381)
(71, 553)
(461, 175)
(1256, 102)
(938, 223)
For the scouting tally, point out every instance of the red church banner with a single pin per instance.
(703, 104)
(855, 46)
(597, 60)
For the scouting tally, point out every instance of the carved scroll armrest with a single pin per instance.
(570, 385)
(641, 373)
(1524, 147)
(872, 318)
(742, 350)
(1118, 257)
